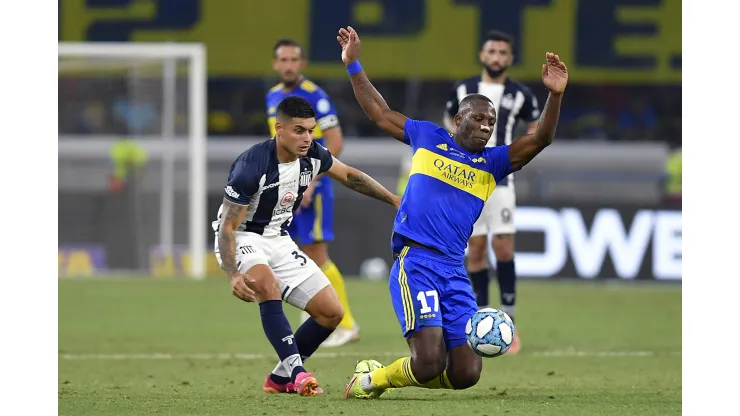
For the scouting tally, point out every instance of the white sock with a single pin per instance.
(285, 368)
(280, 370)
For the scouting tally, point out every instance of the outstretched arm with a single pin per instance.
(359, 181)
(525, 148)
(368, 97)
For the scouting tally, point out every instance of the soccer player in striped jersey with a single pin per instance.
(313, 225)
(452, 176)
(513, 102)
(265, 186)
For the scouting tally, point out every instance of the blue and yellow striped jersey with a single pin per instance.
(447, 189)
(326, 114)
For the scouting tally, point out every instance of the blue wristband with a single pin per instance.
(354, 68)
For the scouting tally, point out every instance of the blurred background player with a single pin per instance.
(312, 226)
(513, 102)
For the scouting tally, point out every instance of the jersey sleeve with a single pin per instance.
(530, 109)
(243, 182)
(326, 113)
(415, 132)
(452, 103)
(326, 160)
(498, 162)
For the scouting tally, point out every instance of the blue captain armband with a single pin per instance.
(354, 68)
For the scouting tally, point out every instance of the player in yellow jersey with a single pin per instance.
(312, 225)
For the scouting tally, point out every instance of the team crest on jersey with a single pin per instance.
(288, 199)
(305, 178)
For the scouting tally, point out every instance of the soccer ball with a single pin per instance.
(366, 366)
(490, 332)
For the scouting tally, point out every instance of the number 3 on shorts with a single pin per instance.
(299, 256)
(425, 297)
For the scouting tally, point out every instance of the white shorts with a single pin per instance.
(498, 214)
(300, 279)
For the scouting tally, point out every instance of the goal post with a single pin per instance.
(166, 56)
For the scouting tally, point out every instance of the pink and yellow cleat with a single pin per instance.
(274, 388)
(307, 385)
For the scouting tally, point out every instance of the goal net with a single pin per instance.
(132, 159)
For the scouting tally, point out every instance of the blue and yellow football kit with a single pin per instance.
(315, 223)
(446, 191)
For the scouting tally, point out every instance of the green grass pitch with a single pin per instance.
(178, 347)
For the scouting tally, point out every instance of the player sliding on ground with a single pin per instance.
(264, 189)
(452, 176)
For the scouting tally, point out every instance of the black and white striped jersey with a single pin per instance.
(271, 190)
(513, 102)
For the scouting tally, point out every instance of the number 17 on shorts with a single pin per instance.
(415, 299)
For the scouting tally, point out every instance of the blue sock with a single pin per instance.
(308, 337)
(479, 280)
(507, 285)
(278, 331)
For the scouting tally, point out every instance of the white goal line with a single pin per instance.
(349, 354)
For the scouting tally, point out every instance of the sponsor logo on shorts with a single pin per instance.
(247, 249)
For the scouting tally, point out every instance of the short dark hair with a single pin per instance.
(497, 36)
(295, 107)
(473, 97)
(286, 42)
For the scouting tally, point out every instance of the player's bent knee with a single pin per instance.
(428, 357)
(427, 366)
(463, 367)
(464, 377)
(325, 308)
(261, 279)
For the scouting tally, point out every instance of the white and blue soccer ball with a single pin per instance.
(490, 332)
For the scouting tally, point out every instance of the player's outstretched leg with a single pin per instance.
(317, 297)
(425, 368)
(262, 280)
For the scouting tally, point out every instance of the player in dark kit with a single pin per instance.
(452, 175)
(313, 223)
(265, 187)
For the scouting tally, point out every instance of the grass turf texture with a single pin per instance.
(588, 349)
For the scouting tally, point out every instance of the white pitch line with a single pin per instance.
(349, 354)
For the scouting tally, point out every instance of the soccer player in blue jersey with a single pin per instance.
(452, 176)
(265, 187)
(313, 223)
(513, 103)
